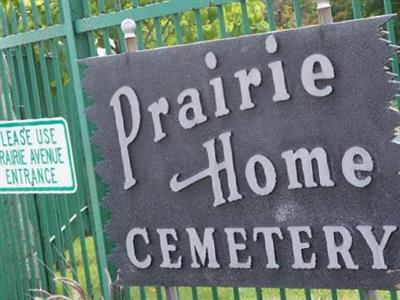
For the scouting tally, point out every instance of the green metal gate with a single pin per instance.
(43, 237)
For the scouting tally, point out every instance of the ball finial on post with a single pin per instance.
(128, 27)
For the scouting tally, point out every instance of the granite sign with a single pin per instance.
(265, 160)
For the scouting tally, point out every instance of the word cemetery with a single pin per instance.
(265, 160)
(203, 252)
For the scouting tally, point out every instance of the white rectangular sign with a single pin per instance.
(36, 157)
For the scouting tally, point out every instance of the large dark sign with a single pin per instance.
(265, 160)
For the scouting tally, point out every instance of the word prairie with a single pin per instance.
(191, 109)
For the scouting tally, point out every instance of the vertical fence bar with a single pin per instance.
(20, 67)
(236, 294)
(41, 211)
(5, 83)
(259, 294)
(307, 294)
(334, 294)
(22, 226)
(195, 295)
(178, 28)
(356, 9)
(87, 44)
(139, 31)
(271, 17)
(47, 259)
(11, 203)
(12, 266)
(122, 47)
(39, 245)
(221, 21)
(31, 65)
(392, 38)
(48, 202)
(81, 192)
(142, 291)
(14, 93)
(214, 293)
(16, 262)
(64, 210)
(159, 36)
(395, 70)
(199, 25)
(95, 208)
(159, 293)
(245, 17)
(106, 34)
(297, 13)
(5, 287)
(89, 35)
(83, 216)
(27, 241)
(62, 204)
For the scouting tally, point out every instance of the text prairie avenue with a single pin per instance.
(265, 160)
(12, 140)
(35, 156)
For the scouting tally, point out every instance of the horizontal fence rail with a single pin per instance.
(45, 237)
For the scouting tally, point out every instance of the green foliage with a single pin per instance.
(47, 12)
(372, 8)
(210, 25)
(341, 10)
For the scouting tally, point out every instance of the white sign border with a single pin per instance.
(44, 190)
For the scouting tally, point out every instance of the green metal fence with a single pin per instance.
(43, 237)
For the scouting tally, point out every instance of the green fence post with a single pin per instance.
(271, 17)
(356, 9)
(392, 38)
(71, 11)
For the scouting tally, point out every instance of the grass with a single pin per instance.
(204, 293)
